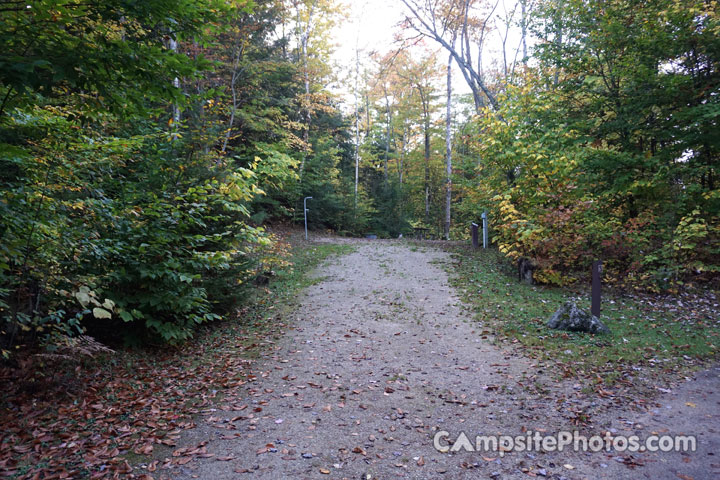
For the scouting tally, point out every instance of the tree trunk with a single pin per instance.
(304, 39)
(427, 168)
(403, 145)
(357, 125)
(448, 149)
(387, 135)
(367, 114)
(523, 20)
(558, 42)
(426, 14)
(306, 81)
(233, 90)
(425, 101)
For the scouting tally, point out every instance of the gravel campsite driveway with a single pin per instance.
(382, 357)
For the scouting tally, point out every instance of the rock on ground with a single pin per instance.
(572, 318)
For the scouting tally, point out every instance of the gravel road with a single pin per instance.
(382, 357)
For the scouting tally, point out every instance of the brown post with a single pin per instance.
(596, 293)
(475, 241)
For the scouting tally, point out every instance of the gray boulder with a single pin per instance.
(571, 318)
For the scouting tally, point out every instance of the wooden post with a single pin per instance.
(305, 209)
(596, 291)
(475, 241)
(485, 230)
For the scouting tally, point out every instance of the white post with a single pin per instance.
(485, 229)
(306, 210)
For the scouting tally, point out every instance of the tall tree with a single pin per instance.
(304, 12)
(423, 75)
(448, 148)
(357, 122)
(611, 142)
(469, 22)
(313, 21)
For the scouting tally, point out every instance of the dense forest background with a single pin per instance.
(145, 145)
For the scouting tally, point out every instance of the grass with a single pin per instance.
(647, 339)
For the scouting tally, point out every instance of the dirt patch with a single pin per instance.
(382, 356)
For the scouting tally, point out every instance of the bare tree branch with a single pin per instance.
(425, 21)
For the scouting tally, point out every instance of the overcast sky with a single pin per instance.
(371, 25)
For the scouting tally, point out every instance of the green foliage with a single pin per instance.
(114, 53)
(111, 222)
(328, 178)
(391, 217)
(608, 149)
(145, 222)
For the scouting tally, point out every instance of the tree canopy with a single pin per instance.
(145, 146)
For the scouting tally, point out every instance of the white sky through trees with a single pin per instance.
(374, 25)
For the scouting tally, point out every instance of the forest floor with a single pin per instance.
(381, 353)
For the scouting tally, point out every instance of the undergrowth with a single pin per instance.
(101, 416)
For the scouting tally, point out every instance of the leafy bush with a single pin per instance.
(549, 201)
(114, 218)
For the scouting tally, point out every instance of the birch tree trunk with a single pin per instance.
(427, 20)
